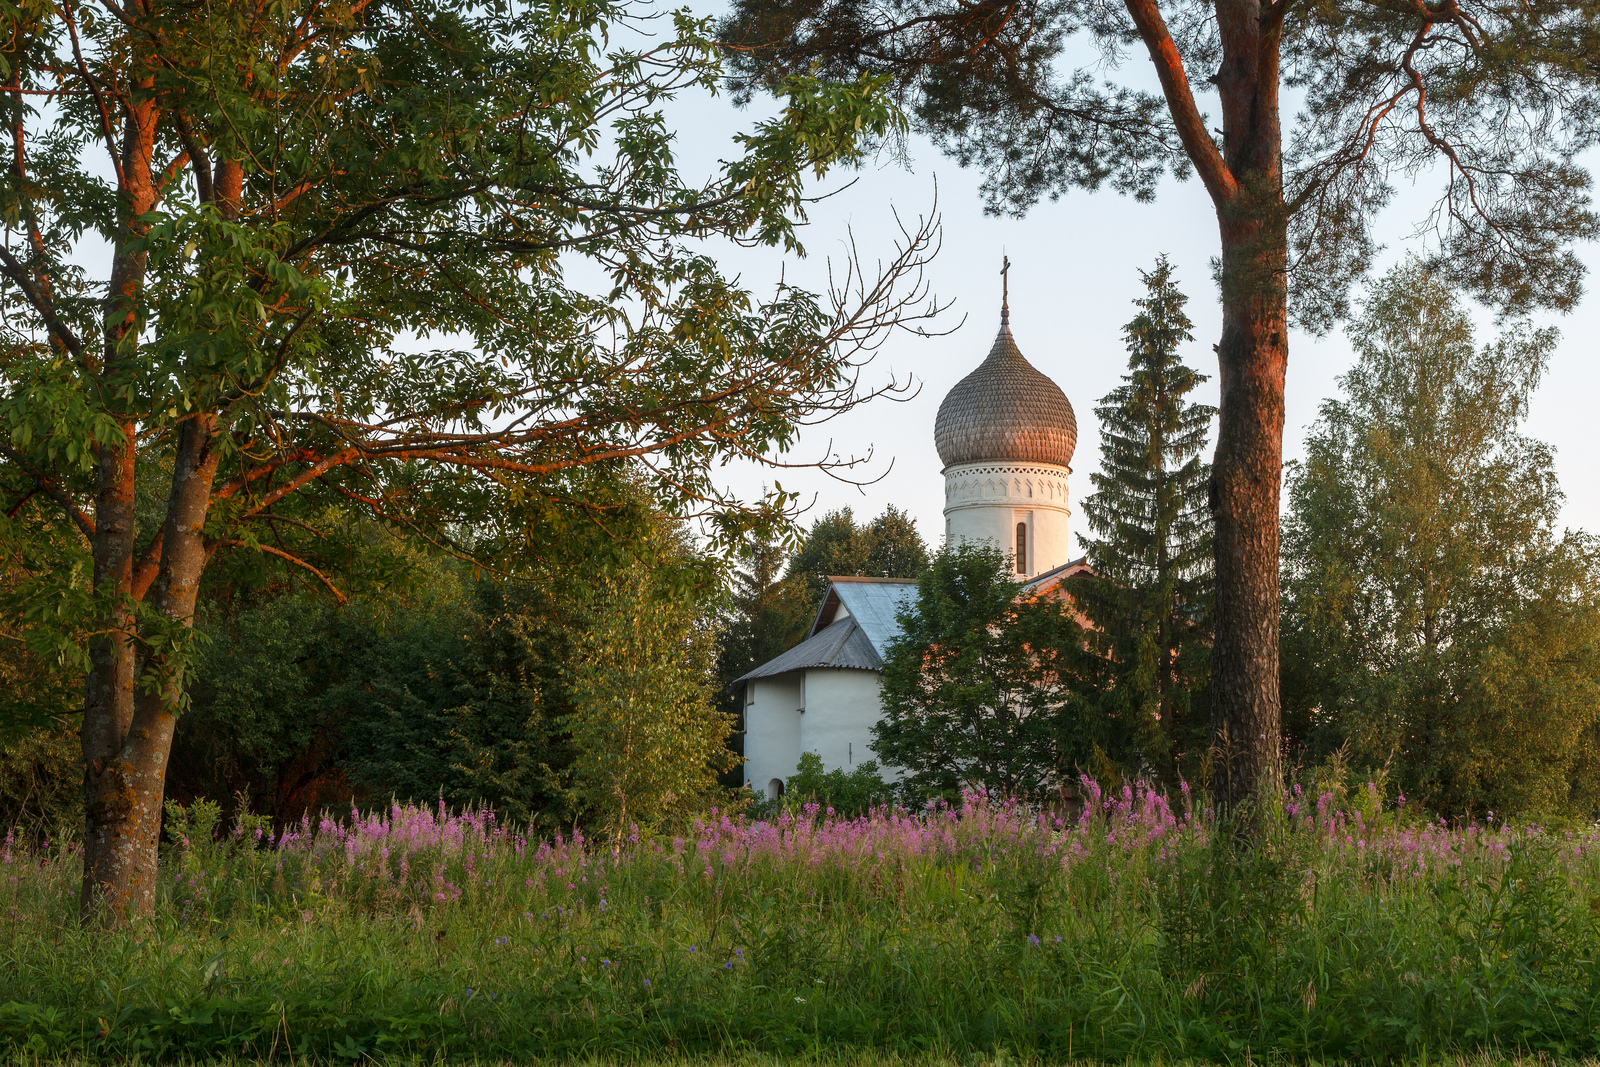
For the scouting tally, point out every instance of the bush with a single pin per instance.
(41, 784)
(847, 794)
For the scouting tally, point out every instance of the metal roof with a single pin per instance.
(873, 602)
(852, 630)
(1041, 583)
(1006, 410)
(842, 645)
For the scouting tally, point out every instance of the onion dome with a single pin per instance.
(1006, 411)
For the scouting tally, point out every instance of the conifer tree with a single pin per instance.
(1150, 596)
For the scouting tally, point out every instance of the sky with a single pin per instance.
(1074, 275)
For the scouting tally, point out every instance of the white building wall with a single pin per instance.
(771, 730)
(841, 708)
(986, 501)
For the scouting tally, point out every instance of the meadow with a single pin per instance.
(1134, 930)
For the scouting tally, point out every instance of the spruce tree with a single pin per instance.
(1150, 597)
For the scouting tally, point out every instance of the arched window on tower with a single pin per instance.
(1022, 548)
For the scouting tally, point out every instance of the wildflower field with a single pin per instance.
(1134, 930)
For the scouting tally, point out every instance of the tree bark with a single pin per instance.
(1246, 474)
(108, 696)
(1244, 176)
(1247, 470)
(114, 827)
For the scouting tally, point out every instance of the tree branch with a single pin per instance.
(48, 485)
(296, 560)
(99, 98)
(1203, 152)
(13, 269)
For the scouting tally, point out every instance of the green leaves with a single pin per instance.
(982, 688)
(1436, 620)
(1150, 595)
(648, 737)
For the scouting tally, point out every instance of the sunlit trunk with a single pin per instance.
(1247, 470)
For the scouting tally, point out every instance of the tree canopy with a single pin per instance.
(982, 688)
(1437, 622)
(261, 258)
(1150, 596)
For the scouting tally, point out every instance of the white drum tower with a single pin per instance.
(1006, 434)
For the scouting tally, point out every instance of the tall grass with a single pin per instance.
(1135, 930)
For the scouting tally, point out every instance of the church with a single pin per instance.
(1005, 434)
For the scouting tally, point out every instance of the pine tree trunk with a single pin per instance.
(1245, 482)
(1246, 474)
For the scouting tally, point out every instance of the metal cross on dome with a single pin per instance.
(1005, 282)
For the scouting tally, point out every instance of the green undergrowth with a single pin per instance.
(847, 1057)
(987, 935)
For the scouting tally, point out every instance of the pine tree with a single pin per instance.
(1150, 596)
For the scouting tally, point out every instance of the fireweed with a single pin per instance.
(1135, 928)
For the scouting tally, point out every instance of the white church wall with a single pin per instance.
(842, 706)
(986, 501)
(771, 730)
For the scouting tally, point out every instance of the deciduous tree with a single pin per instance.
(648, 738)
(233, 229)
(1489, 99)
(1437, 622)
(888, 547)
(982, 688)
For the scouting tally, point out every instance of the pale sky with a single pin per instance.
(1074, 276)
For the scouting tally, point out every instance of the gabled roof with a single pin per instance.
(842, 645)
(852, 629)
(872, 602)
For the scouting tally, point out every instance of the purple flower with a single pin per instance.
(1033, 939)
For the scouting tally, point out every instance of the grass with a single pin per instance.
(981, 934)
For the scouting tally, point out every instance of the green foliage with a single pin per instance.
(648, 741)
(1044, 100)
(446, 686)
(451, 692)
(982, 687)
(44, 583)
(346, 312)
(1435, 620)
(889, 547)
(847, 793)
(1149, 597)
(41, 783)
(764, 616)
